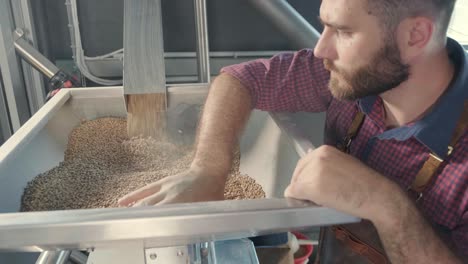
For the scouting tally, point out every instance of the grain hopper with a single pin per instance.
(269, 152)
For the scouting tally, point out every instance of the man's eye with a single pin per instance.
(343, 33)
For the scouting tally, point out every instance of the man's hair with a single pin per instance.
(392, 12)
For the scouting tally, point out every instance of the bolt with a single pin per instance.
(180, 253)
(20, 32)
(153, 256)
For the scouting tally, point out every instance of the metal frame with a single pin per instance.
(181, 66)
(213, 252)
(14, 88)
(203, 50)
(162, 226)
(5, 126)
(34, 81)
(280, 12)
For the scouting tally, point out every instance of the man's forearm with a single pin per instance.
(408, 237)
(225, 113)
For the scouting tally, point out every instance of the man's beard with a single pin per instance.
(385, 72)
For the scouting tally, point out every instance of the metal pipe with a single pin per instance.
(289, 21)
(34, 57)
(63, 257)
(203, 50)
(54, 257)
(225, 54)
(78, 257)
(71, 28)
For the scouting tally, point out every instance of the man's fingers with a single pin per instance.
(139, 194)
(297, 191)
(296, 172)
(287, 192)
(151, 200)
(302, 164)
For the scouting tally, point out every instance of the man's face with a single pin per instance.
(361, 61)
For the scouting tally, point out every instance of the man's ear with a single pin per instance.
(413, 36)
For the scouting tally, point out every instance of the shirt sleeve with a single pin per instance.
(460, 236)
(288, 82)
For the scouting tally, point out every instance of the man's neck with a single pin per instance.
(410, 101)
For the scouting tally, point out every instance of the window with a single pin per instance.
(458, 28)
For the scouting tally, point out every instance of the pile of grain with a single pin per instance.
(102, 164)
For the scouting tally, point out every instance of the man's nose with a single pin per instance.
(325, 48)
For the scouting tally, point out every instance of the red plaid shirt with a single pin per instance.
(292, 82)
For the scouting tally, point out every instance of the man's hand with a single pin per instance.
(337, 180)
(225, 113)
(190, 186)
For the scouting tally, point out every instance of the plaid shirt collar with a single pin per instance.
(434, 130)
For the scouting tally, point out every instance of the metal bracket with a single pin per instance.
(168, 255)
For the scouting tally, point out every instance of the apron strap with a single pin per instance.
(355, 125)
(432, 164)
(352, 131)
